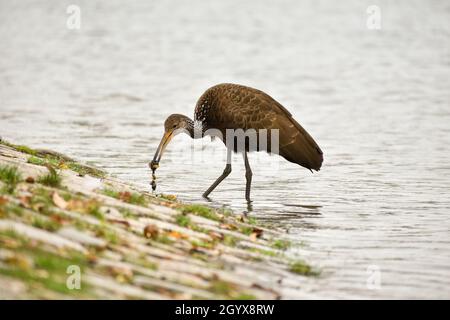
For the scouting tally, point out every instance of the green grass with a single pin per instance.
(221, 287)
(245, 296)
(19, 148)
(251, 220)
(281, 244)
(93, 208)
(229, 241)
(202, 211)
(55, 161)
(11, 177)
(51, 179)
(301, 267)
(41, 198)
(83, 170)
(226, 212)
(168, 197)
(25, 149)
(42, 162)
(265, 252)
(107, 235)
(183, 221)
(129, 197)
(54, 266)
(126, 213)
(111, 193)
(229, 290)
(9, 210)
(246, 230)
(202, 244)
(45, 224)
(164, 239)
(137, 198)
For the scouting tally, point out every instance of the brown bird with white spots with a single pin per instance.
(232, 106)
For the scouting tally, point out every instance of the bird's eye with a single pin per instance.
(174, 126)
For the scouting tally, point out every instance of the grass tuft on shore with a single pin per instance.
(126, 196)
(25, 149)
(39, 161)
(10, 176)
(303, 268)
(44, 157)
(183, 221)
(202, 211)
(281, 244)
(51, 179)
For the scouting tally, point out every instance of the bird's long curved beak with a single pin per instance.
(162, 146)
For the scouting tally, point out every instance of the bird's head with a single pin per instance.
(174, 124)
(177, 121)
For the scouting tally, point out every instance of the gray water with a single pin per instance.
(376, 101)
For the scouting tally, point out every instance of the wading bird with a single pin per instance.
(231, 106)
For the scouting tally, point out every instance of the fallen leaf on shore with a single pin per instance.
(92, 258)
(228, 226)
(256, 233)
(59, 219)
(168, 204)
(177, 235)
(151, 231)
(170, 197)
(59, 201)
(25, 201)
(29, 180)
(122, 274)
(19, 261)
(83, 206)
(3, 200)
(9, 243)
(216, 235)
(125, 196)
(63, 165)
(75, 204)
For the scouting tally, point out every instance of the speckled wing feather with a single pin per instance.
(231, 106)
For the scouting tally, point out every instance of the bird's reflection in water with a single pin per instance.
(301, 210)
(293, 214)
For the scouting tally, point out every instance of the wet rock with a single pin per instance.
(82, 238)
(40, 235)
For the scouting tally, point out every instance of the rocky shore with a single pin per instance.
(70, 231)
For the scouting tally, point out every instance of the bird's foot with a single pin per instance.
(206, 196)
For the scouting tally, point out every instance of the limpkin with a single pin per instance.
(232, 106)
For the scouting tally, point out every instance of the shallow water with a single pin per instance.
(377, 102)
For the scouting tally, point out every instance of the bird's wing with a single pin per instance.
(248, 108)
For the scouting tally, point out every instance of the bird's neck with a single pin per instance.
(195, 129)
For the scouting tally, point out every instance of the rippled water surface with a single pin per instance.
(377, 102)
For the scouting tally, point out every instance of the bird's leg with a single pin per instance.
(225, 173)
(248, 177)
